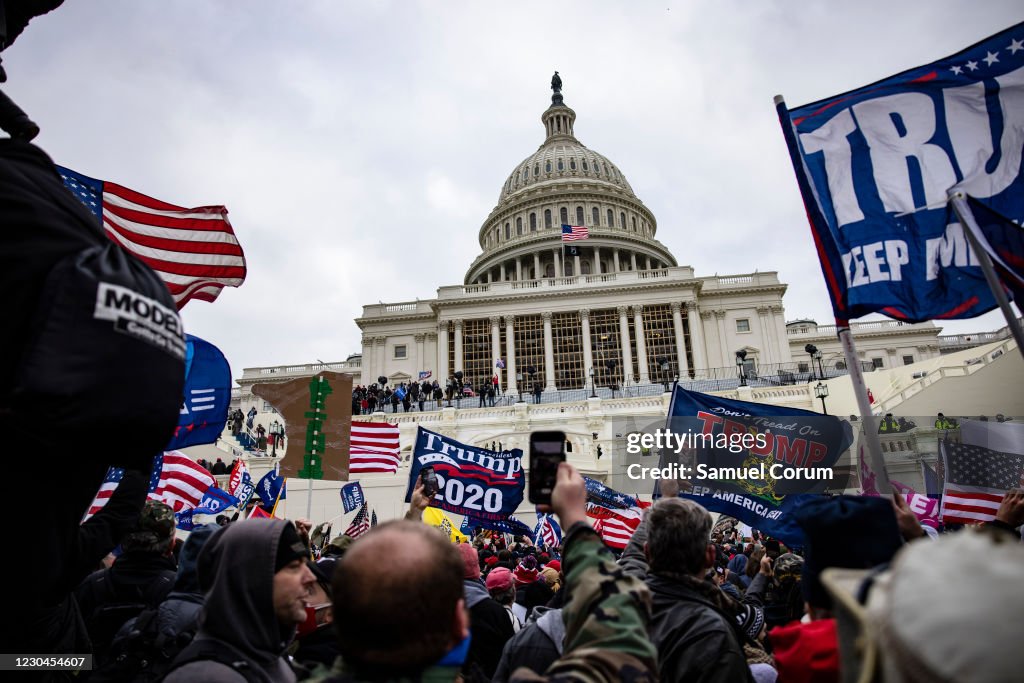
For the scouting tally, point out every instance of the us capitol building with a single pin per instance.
(603, 328)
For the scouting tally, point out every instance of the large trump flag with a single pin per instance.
(877, 165)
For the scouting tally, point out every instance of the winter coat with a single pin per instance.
(536, 646)
(490, 627)
(237, 566)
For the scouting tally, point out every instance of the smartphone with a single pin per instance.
(429, 478)
(547, 449)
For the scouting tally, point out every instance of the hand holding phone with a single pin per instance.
(547, 450)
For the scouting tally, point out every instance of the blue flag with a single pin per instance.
(607, 496)
(472, 481)
(270, 486)
(207, 394)
(547, 532)
(352, 496)
(215, 501)
(183, 520)
(777, 451)
(875, 167)
(506, 526)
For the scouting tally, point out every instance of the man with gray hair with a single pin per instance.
(692, 625)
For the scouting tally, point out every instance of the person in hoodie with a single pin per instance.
(489, 624)
(538, 644)
(257, 587)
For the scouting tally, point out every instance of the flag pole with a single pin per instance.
(974, 235)
(860, 391)
(273, 510)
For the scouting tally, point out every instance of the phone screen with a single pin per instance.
(429, 478)
(547, 449)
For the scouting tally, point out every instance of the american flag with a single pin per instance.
(571, 233)
(360, 523)
(374, 448)
(178, 481)
(615, 526)
(976, 479)
(194, 251)
(110, 482)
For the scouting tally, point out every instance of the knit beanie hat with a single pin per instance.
(526, 571)
(289, 548)
(469, 559)
(751, 620)
(554, 564)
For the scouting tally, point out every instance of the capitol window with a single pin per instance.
(579, 215)
(536, 169)
(508, 231)
(622, 220)
(611, 219)
(561, 166)
(547, 218)
(634, 223)
(400, 351)
(519, 226)
(547, 167)
(585, 168)
(533, 222)
(572, 164)
(596, 215)
(743, 325)
(563, 214)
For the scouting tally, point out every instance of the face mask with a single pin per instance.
(314, 619)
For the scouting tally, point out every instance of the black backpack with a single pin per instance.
(144, 654)
(113, 611)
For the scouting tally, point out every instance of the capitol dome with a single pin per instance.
(565, 183)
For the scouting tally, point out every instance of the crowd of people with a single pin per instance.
(423, 396)
(274, 600)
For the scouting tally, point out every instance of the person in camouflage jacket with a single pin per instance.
(606, 614)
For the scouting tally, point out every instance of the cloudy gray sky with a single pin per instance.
(359, 145)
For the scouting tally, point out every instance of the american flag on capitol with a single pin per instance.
(571, 233)
(373, 447)
(976, 479)
(110, 483)
(178, 481)
(194, 251)
(360, 523)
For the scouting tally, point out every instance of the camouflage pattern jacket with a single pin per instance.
(606, 617)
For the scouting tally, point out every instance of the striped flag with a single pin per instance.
(571, 233)
(360, 523)
(194, 251)
(110, 482)
(374, 448)
(178, 481)
(547, 531)
(615, 526)
(977, 478)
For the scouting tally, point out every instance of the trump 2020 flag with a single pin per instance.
(352, 496)
(472, 481)
(215, 501)
(876, 166)
(207, 394)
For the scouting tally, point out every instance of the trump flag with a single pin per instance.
(877, 165)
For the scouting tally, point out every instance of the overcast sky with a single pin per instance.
(360, 145)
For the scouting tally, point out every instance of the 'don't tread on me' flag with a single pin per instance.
(194, 251)
(875, 167)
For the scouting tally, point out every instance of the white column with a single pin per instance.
(510, 351)
(421, 360)
(549, 353)
(627, 351)
(615, 258)
(519, 268)
(641, 343)
(496, 348)
(677, 326)
(779, 322)
(537, 274)
(597, 261)
(767, 329)
(369, 361)
(458, 347)
(588, 352)
(576, 263)
(442, 353)
(556, 254)
(647, 261)
(632, 260)
(502, 271)
(723, 347)
(696, 337)
(382, 363)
